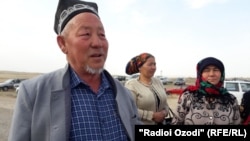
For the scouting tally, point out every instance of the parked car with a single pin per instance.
(16, 86)
(180, 81)
(120, 77)
(9, 84)
(237, 88)
(165, 80)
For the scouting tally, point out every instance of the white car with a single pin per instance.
(237, 88)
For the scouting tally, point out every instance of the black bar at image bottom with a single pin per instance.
(204, 132)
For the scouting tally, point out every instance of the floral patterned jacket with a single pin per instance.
(194, 109)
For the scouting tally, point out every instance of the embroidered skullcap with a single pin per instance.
(136, 62)
(67, 9)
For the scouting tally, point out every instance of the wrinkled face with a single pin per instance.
(211, 74)
(84, 42)
(148, 68)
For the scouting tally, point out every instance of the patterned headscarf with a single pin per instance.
(136, 62)
(204, 87)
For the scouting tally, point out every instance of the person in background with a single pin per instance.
(148, 91)
(81, 101)
(245, 108)
(207, 102)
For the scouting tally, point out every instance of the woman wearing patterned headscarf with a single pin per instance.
(148, 91)
(208, 102)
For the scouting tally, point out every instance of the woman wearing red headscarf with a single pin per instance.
(208, 102)
(148, 91)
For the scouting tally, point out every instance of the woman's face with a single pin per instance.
(148, 68)
(211, 74)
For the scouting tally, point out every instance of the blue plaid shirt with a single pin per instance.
(94, 116)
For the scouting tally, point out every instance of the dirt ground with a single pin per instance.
(7, 103)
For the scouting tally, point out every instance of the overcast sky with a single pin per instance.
(177, 32)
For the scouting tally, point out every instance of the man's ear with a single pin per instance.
(61, 44)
